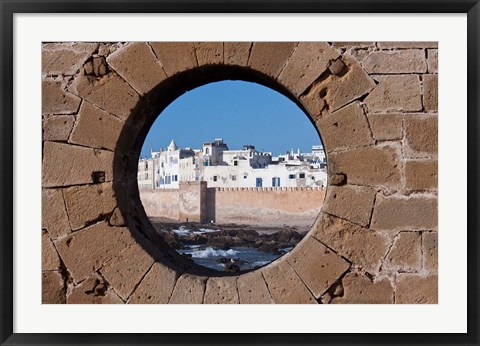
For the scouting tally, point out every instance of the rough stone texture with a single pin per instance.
(55, 100)
(65, 58)
(54, 213)
(401, 61)
(270, 57)
(395, 93)
(308, 61)
(117, 218)
(398, 212)
(175, 56)
(156, 287)
(65, 164)
(432, 60)
(221, 290)
(57, 127)
(53, 288)
(375, 165)
(415, 289)
(362, 246)
(137, 64)
(236, 53)
(87, 250)
(430, 250)
(88, 203)
(421, 174)
(93, 290)
(353, 203)
(406, 253)
(209, 52)
(359, 289)
(318, 271)
(252, 289)
(337, 179)
(50, 259)
(189, 289)
(386, 127)
(285, 286)
(421, 135)
(405, 45)
(346, 128)
(350, 44)
(430, 92)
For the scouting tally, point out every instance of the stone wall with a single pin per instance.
(374, 104)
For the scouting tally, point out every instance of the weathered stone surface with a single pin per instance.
(189, 289)
(117, 218)
(175, 56)
(360, 245)
(88, 203)
(137, 64)
(110, 93)
(395, 93)
(99, 66)
(65, 164)
(421, 174)
(430, 92)
(285, 286)
(236, 53)
(353, 203)
(156, 287)
(398, 212)
(405, 45)
(252, 289)
(359, 289)
(50, 259)
(209, 52)
(65, 58)
(399, 61)
(53, 288)
(270, 57)
(346, 128)
(406, 253)
(430, 250)
(308, 61)
(345, 45)
(415, 289)
(375, 165)
(54, 213)
(85, 251)
(317, 266)
(386, 127)
(93, 290)
(96, 128)
(432, 60)
(57, 127)
(421, 134)
(221, 290)
(55, 100)
(337, 179)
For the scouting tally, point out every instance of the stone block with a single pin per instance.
(346, 128)
(346, 45)
(395, 93)
(236, 53)
(397, 213)
(405, 254)
(189, 289)
(209, 53)
(156, 287)
(421, 174)
(93, 290)
(421, 134)
(406, 45)
(88, 203)
(398, 61)
(175, 57)
(359, 245)
(65, 164)
(57, 127)
(270, 57)
(430, 92)
(308, 61)
(54, 213)
(285, 286)
(117, 218)
(316, 265)
(86, 251)
(416, 289)
(386, 127)
(359, 289)
(99, 66)
(221, 290)
(53, 288)
(55, 100)
(430, 250)
(252, 289)
(374, 165)
(50, 259)
(110, 93)
(137, 64)
(65, 58)
(432, 60)
(353, 203)
(337, 179)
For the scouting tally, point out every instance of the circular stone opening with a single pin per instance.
(232, 175)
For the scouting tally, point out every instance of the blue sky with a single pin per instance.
(240, 113)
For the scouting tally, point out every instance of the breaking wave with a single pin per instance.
(183, 231)
(211, 252)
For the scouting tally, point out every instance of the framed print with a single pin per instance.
(207, 171)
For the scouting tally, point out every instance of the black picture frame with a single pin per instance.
(10, 7)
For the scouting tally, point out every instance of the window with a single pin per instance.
(291, 176)
(215, 178)
(276, 182)
(206, 151)
(146, 176)
(234, 177)
(146, 164)
(235, 163)
(301, 175)
(258, 182)
(175, 177)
